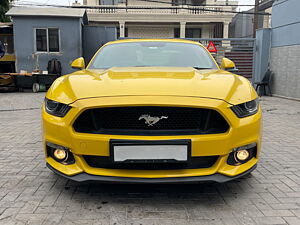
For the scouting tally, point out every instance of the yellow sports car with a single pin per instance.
(152, 111)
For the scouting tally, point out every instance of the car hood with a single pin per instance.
(152, 81)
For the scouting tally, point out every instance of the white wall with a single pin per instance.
(151, 32)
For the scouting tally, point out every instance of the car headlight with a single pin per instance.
(56, 108)
(246, 109)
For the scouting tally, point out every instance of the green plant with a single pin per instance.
(4, 7)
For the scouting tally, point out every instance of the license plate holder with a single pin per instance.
(136, 151)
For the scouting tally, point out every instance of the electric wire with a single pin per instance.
(28, 3)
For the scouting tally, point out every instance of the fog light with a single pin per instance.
(242, 155)
(60, 154)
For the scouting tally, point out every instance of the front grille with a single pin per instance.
(193, 163)
(130, 121)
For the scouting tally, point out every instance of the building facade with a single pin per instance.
(41, 34)
(285, 48)
(242, 24)
(163, 18)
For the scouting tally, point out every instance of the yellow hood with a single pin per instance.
(152, 81)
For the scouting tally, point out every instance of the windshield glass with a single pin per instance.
(150, 54)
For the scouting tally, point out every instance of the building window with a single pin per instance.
(189, 32)
(176, 32)
(193, 32)
(111, 2)
(47, 39)
(41, 40)
(53, 37)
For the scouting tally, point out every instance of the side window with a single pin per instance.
(47, 40)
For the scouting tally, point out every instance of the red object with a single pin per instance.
(211, 47)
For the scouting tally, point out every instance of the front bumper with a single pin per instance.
(242, 132)
(85, 177)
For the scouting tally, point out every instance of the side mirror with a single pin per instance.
(228, 65)
(78, 63)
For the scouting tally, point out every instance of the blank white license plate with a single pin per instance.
(150, 152)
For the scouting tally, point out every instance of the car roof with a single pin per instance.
(128, 40)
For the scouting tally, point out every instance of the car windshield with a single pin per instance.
(153, 54)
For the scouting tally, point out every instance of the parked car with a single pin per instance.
(152, 111)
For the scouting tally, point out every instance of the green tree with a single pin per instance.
(4, 7)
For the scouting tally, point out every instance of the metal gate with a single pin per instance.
(240, 50)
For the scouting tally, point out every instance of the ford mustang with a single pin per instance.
(152, 111)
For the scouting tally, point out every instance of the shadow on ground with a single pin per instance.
(157, 193)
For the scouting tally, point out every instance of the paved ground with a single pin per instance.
(31, 194)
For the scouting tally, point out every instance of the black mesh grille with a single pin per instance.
(193, 163)
(129, 121)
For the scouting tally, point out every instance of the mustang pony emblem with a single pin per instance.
(151, 120)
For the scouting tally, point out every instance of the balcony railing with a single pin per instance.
(191, 10)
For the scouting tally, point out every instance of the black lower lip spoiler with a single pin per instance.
(84, 177)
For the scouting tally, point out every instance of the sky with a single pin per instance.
(69, 2)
